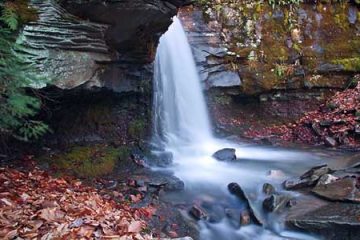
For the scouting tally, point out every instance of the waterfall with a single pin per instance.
(182, 126)
(181, 116)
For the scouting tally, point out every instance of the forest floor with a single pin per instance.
(34, 204)
(333, 123)
(40, 201)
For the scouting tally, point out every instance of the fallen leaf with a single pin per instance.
(135, 227)
(51, 214)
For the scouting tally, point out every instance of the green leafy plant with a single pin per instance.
(18, 107)
(10, 18)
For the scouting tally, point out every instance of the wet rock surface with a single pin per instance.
(342, 190)
(333, 221)
(330, 206)
(255, 216)
(226, 154)
(276, 202)
(198, 213)
(308, 179)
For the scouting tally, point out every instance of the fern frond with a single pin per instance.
(10, 17)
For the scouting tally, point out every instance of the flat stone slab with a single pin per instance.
(341, 190)
(331, 220)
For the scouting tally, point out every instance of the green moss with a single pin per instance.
(222, 99)
(89, 161)
(349, 64)
(137, 129)
(124, 153)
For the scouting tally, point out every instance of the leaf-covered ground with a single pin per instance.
(34, 205)
(335, 123)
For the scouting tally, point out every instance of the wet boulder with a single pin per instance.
(245, 218)
(215, 212)
(226, 154)
(167, 182)
(308, 179)
(235, 189)
(298, 183)
(316, 172)
(255, 215)
(198, 213)
(276, 202)
(326, 179)
(233, 216)
(268, 188)
(162, 159)
(331, 220)
(345, 190)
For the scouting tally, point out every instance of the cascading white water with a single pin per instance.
(182, 126)
(180, 111)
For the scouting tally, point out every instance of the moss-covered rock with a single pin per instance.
(283, 45)
(87, 161)
(137, 129)
(349, 64)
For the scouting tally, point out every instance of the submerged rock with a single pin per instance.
(162, 159)
(226, 154)
(245, 218)
(198, 213)
(276, 174)
(276, 202)
(233, 216)
(255, 216)
(235, 189)
(215, 212)
(268, 188)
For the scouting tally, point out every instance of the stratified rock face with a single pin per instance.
(309, 45)
(209, 51)
(63, 47)
(89, 44)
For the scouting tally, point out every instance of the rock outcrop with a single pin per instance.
(87, 44)
(209, 51)
(274, 48)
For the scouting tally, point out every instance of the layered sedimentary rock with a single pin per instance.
(274, 49)
(89, 44)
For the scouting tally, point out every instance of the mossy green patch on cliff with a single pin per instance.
(349, 64)
(222, 99)
(137, 129)
(87, 161)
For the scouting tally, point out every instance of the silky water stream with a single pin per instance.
(182, 126)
